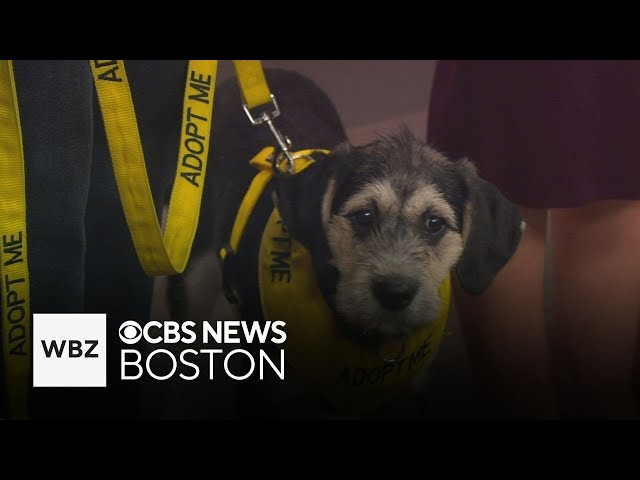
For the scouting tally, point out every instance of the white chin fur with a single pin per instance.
(368, 315)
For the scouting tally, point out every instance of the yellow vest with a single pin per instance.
(354, 378)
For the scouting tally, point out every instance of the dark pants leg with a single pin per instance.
(80, 251)
(55, 101)
(115, 281)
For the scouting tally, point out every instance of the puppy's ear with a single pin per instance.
(492, 229)
(299, 200)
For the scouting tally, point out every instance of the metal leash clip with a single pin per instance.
(283, 142)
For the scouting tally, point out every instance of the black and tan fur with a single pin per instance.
(385, 223)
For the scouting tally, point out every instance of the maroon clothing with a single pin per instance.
(546, 133)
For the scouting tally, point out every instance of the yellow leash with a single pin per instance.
(169, 254)
(16, 312)
(158, 254)
(253, 84)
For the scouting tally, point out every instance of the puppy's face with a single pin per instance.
(393, 226)
(394, 220)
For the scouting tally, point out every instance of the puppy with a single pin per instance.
(385, 224)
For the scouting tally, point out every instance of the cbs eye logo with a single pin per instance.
(130, 332)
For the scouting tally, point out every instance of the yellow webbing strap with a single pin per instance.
(14, 271)
(158, 254)
(169, 254)
(253, 84)
(262, 161)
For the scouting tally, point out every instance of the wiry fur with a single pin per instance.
(397, 247)
(404, 182)
(400, 179)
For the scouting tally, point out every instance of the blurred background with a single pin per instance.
(370, 95)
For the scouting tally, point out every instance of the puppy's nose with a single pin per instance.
(395, 292)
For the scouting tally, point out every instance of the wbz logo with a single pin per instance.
(69, 350)
(74, 351)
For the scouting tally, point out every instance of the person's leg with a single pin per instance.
(504, 331)
(596, 300)
(55, 101)
(115, 281)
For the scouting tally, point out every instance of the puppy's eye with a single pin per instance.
(435, 224)
(364, 217)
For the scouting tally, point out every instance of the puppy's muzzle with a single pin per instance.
(394, 292)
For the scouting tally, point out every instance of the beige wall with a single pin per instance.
(372, 96)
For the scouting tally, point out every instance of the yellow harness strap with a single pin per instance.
(354, 378)
(14, 278)
(262, 161)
